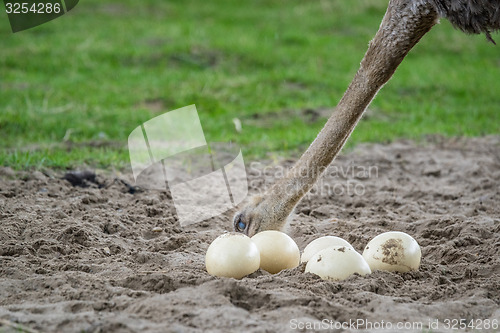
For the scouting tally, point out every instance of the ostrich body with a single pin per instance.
(404, 24)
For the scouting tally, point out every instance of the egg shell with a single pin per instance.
(393, 251)
(278, 251)
(337, 263)
(322, 243)
(232, 255)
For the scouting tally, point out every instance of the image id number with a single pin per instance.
(36, 8)
(474, 324)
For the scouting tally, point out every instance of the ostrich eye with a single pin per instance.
(241, 226)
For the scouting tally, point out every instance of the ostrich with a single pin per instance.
(404, 23)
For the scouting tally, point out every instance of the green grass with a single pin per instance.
(73, 85)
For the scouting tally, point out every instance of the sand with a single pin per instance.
(76, 259)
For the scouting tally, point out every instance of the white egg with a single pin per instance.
(393, 251)
(322, 243)
(337, 263)
(232, 255)
(278, 251)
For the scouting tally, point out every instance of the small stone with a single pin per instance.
(306, 210)
(37, 175)
(157, 229)
(431, 172)
(107, 251)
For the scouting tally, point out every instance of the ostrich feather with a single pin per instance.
(471, 16)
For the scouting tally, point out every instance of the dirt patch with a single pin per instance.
(390, 250)
(102, 259)
(309, 116)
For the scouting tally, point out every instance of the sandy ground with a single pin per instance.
(78, 259)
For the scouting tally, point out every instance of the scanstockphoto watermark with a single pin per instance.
(205, 179)
(431, 324)
(335, 180)
(354, 324)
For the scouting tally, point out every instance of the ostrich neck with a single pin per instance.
(404, 23)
